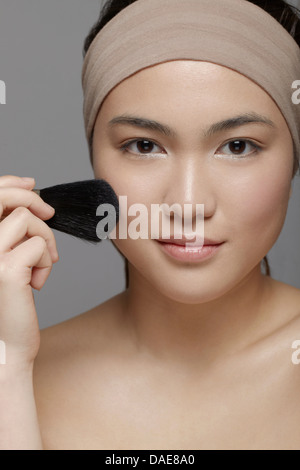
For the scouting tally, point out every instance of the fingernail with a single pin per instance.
(49, 207)
(27, 179)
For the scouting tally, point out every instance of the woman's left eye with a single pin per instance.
(238, 146)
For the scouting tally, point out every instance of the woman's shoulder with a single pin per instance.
(286, 301)
(72, 358)
(67, 346)
(284, 314)
(282, 328)
(101, 325)
(81, 330)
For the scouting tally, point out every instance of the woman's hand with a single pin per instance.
(27, 253)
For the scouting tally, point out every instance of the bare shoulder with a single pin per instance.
(73, 355)
(283, 317)
(278, 347)
(287, 302)
(71, 337)
(278, 330)
(66, 348)
(286, 341)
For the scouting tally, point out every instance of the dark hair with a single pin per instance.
(287, 15)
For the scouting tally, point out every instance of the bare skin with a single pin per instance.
(96, 388)
(189, 357)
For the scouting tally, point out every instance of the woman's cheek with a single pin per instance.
(259, 213)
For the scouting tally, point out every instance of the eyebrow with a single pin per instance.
(225, 124)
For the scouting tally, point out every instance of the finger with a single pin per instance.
(40, 275)
(12, 181)
(10, 198)
(22, 223)
(31, 254)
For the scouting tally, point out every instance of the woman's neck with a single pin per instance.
(192, 333)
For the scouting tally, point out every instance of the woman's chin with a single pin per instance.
(196, 292)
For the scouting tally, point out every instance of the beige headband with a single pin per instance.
(233, 33)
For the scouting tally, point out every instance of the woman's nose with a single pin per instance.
(190, 182)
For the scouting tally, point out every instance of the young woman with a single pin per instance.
(196, 353)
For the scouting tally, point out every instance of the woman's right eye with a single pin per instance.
(144, 148)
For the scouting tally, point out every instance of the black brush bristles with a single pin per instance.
(75, 207)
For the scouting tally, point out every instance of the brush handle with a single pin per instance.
(37, 191)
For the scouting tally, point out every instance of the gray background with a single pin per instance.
(42, 135)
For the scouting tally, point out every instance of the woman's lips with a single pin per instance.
(189, 253)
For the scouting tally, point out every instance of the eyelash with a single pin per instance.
(125, 146)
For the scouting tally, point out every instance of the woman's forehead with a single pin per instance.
(185, 76)
(185, 85)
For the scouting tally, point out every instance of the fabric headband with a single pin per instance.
(234, 33)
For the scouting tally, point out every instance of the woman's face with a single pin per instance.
(245, 190)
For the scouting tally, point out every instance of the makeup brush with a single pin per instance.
(76, 205)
